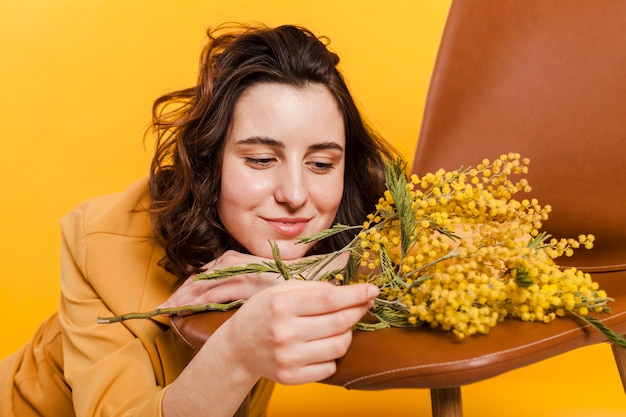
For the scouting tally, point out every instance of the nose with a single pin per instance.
(291, 188)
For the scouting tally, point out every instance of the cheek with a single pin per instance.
(230, 201)
(328, 197)
(241, 193)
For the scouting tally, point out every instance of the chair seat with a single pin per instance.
(393, 358)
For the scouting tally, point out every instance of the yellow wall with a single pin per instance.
(77, 79)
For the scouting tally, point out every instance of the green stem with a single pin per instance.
(370, 327)
(448, 255)
(171, 310)
(332, 256)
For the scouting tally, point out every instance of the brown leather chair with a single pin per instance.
(547, 79)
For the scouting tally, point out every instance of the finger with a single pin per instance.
(188, 292)
(324, 326)
(236, 289)
(232, 258)
(312, 361)
(312, 372)
(193, 292)
(314, 298)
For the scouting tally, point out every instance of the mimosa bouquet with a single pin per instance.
(454, 250)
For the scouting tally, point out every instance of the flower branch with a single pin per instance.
(455, 250)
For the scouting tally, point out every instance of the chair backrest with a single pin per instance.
(546, 79)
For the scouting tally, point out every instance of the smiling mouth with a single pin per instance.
(288, 227)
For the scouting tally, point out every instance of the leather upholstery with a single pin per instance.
(545, 79)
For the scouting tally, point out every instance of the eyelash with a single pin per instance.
(259, 162)
(319, 167)
(322, 166)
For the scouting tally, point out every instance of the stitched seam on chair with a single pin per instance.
(182, 336)
(409, 368)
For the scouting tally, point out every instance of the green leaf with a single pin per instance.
(352, 267)
(337, 228)
(280, 265)
(252, 268)
(605, 330)
(397, 185)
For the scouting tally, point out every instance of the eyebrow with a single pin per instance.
(262, 140)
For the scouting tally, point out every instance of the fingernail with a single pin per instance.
(373, 291)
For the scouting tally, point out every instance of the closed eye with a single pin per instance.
(320, 167)
(260, 163)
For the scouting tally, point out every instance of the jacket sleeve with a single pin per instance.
(110, 266)
(112, 369)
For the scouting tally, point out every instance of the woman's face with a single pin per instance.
(283, 168)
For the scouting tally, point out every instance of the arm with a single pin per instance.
(118, 369)
(288, 333)
(291, 333)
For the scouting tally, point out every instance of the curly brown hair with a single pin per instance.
(191, 127)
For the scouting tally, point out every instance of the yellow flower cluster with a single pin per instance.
(451, 250)
(455, 250)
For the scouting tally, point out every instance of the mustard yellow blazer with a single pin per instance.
(74, 366)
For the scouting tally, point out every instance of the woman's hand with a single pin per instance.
(293, 333)
(197, 292)
(290, 333)
(241, 287)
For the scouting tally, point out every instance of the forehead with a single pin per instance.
(283, 111)
(284, 91)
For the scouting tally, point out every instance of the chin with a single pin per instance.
(291, 250)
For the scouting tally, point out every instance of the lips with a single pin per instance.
(290, 227)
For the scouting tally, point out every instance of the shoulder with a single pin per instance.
(123, 214)
(108, 241)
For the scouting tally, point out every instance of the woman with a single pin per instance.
(269, 146)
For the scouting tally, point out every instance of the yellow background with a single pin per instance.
(77, 79)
